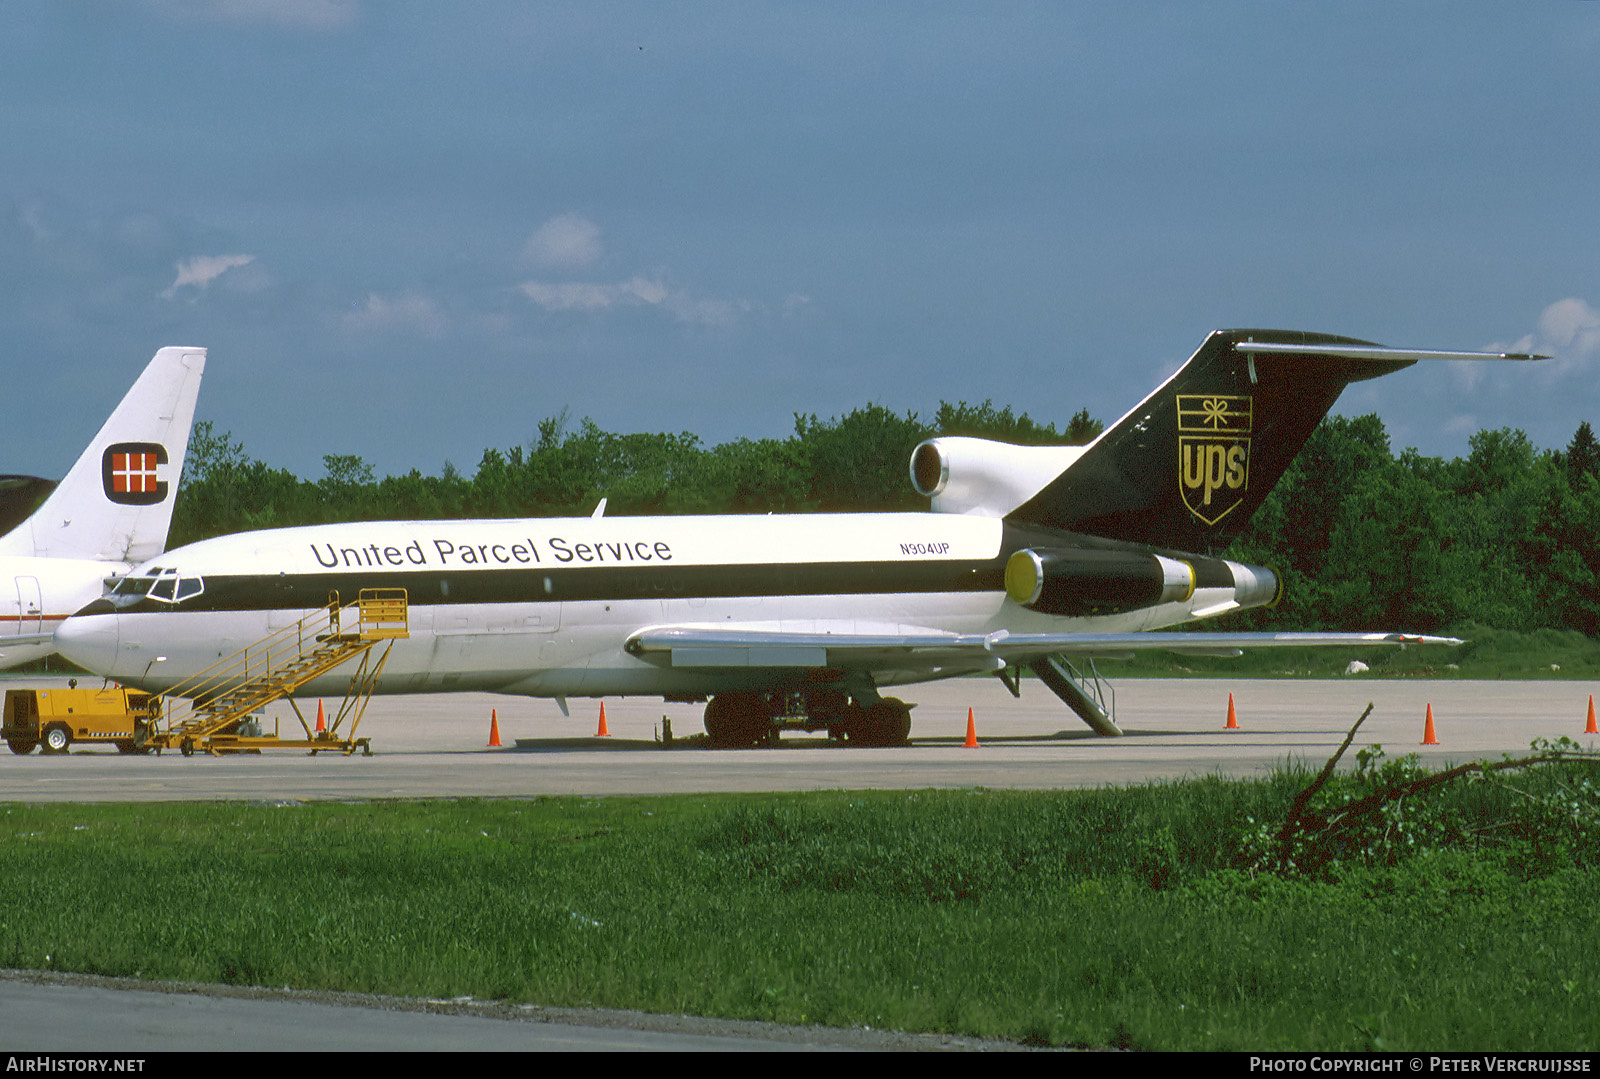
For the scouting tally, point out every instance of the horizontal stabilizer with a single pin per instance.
(1373, 352)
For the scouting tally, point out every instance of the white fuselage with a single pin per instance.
(37, 595)
(545, 606)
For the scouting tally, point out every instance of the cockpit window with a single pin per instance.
(155, 583)
(132, 586)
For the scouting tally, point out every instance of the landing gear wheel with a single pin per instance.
(20, 746)
(884, 723)
(737, 720)
(852, 725)
(57, 737)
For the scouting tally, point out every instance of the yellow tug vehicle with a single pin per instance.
(54, 719)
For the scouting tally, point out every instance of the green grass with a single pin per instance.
(1136, 917)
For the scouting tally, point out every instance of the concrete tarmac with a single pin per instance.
(436, 746)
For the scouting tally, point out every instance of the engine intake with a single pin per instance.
(981, 476)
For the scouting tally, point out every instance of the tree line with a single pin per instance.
(1366, 539)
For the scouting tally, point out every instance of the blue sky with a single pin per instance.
(410, 231)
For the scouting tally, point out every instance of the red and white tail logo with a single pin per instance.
(128, 473)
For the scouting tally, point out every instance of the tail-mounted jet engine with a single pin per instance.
(984, 477)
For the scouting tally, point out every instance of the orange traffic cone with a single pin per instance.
(1428, 737)
(494, 728)
(972, 732)
(1233, 717)
(602, 732)
(1589, 728)
(321, 725)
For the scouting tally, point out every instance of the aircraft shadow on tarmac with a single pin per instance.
(591, 743)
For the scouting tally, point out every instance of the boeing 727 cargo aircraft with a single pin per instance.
(1031, 556)
(109, 514)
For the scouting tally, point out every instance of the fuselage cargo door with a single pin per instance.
(30, 607)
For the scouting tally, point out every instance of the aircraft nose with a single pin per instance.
(91, 638)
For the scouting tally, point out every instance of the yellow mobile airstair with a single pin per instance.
(214, 711)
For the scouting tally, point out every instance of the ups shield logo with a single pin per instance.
(1213, 453)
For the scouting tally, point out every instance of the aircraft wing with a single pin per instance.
(956, 653)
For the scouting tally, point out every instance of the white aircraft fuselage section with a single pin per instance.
(38, 594)
(547, 606)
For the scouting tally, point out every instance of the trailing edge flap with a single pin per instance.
(733, 646)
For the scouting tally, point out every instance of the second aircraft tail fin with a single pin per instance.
(115, 505)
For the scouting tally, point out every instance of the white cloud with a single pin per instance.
(1567, 330)
(201, 270)
(635, 292)
(1570, 330)
(568, 242)
(698, 312)
(411, 312)
(319, 15)
(31, 217)
(571, 242)
(584, 296)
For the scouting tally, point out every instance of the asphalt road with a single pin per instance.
(124, 1020)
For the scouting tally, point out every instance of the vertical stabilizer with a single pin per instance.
(1189, 465)
(115, 505)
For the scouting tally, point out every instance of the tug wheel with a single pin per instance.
(57, 737)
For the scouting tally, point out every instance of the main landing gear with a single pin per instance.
(738, 720)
